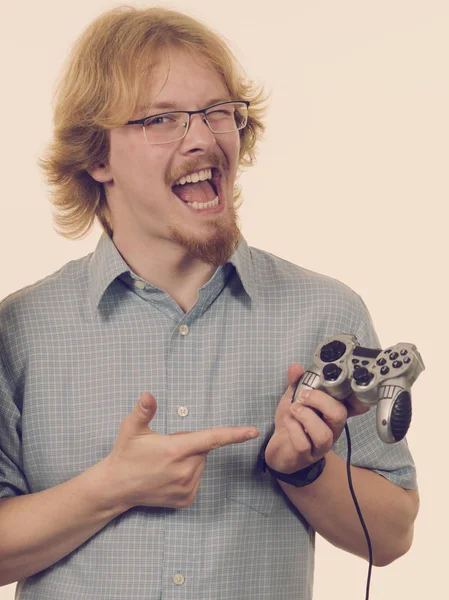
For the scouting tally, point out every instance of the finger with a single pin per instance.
(320, 434)
(294, 372)
(333, 411)
(299, 440)
(200, 442)
(355, 407)
(144, 411)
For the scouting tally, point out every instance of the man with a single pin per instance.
(140, 384)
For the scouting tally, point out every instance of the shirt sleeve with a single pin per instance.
(12, 478)
(392, 461)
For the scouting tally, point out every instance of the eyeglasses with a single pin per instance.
(167, 127)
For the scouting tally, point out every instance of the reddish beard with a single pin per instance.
(218, 246)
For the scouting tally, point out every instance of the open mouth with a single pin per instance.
(200, 190)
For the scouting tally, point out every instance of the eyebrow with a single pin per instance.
(174, 106)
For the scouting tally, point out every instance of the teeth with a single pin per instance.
(202, 205)
(195, 177)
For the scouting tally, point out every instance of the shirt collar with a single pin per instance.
(106, 264)
(241, 259)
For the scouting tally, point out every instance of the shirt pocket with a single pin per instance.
(247, 483)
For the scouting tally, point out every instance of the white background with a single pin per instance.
(351, 181)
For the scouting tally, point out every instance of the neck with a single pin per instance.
(168, 267)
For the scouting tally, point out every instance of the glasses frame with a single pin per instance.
(189, 114)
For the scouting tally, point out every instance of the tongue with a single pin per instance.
(195, 192)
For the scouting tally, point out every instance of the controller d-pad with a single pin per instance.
(362, 376)
(332, 351)
(331, 372)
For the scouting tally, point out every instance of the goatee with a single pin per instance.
(218, 247)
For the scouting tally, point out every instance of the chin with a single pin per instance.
(214, 249)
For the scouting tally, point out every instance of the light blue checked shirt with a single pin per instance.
(78, 348)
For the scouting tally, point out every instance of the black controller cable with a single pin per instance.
(359, 512)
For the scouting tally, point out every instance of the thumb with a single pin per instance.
(295, 371)
(144, 410)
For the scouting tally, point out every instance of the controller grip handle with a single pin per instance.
(394, 416)
(310, 379)
(401, 415)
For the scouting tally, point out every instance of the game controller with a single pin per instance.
(383, 377)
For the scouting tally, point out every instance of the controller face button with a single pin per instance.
(331, 372)
(332, 351)
(407, 359)
(397, 364)
(404, 352)
(384, 370)
(394, 355)
(381, 361)
(355, 361)
(365, 362)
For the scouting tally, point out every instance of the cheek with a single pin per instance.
(232, 150)
(134, 165)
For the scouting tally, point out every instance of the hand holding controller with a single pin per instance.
(383, 377)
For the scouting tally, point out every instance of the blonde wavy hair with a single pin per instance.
(102, 86)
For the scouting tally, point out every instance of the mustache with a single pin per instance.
(196, 164)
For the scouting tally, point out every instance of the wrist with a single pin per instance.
(110, 492)
(300, 478)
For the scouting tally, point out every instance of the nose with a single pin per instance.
(199, 137)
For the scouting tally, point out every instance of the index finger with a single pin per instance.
(202, 442)
(354, 406)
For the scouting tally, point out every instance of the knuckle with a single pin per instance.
(325, 439)
(184, 502)
(187, 498)
(185, 475)
(302, 445)
(339, 415)
(214, 441)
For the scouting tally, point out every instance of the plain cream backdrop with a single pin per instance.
(351, 181)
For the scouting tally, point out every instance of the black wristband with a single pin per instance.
(302, 477)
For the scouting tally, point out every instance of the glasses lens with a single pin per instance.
(165, 128)
(231, 116)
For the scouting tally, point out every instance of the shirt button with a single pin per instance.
(183, 329)
(183, 411)
(178, 579)
(139, 284)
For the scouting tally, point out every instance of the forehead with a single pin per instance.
(183, 80)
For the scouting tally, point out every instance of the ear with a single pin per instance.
(101, 173)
